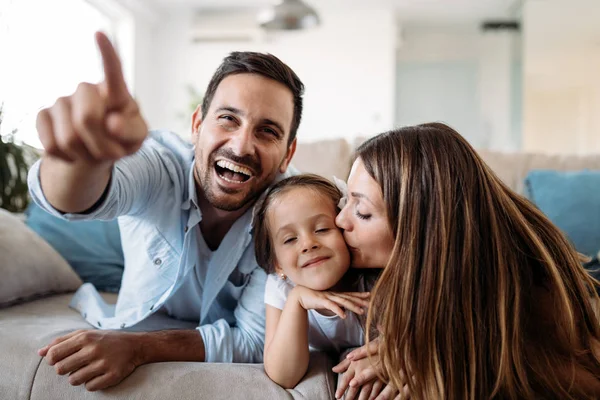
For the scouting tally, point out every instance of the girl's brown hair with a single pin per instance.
(263, 245)
(483, 297)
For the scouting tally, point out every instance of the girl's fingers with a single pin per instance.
(358, 300)
(347, 304)
(334, 307)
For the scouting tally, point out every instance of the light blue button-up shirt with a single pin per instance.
(153, 194)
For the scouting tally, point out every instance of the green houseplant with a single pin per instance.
(14, 165)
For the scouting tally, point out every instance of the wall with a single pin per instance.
(347, 65)
(464, 77)
(562, 82)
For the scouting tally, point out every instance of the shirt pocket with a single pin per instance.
(162, 257)
(236, 284)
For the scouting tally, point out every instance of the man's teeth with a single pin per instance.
(235, 168)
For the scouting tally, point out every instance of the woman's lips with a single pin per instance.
(314, 261)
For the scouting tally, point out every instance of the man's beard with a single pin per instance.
(226, 202)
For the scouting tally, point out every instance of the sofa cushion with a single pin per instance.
(327, 158)
(571, 200)
(92, 248)
(25, 375)
(30, 267)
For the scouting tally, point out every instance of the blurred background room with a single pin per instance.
(510, 75)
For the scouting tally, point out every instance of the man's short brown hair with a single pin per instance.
(267, 65)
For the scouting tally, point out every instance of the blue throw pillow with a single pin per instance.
(92, 248)
(571, 200)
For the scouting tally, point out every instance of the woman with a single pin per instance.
(480, 295)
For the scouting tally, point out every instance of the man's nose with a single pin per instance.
(242, 142)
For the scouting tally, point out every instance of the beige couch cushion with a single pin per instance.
(27, 327)
(30, 266)
(513, 168)
(327, 158)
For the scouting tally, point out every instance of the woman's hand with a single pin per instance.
(337, 303)
(360, 377)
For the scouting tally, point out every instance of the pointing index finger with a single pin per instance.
(117, 93)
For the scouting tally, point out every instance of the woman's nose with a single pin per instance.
(341, 220)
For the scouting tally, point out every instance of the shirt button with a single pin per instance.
(122, 326)
(185, 229)
(152, 307)
(99, 324)
(157, 261)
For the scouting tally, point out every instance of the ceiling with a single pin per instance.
(407, 10)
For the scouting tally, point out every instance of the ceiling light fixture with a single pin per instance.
(289, 15)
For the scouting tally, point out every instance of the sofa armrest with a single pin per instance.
(189, 380)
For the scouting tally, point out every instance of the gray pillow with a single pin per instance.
(29, 267)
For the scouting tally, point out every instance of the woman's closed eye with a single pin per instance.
(362, 216)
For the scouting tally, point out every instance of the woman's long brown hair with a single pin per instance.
(483, 297)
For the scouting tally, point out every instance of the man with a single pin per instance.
(185, 212)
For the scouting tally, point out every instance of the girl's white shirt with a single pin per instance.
(325, 333)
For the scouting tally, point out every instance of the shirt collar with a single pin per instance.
(192, 197)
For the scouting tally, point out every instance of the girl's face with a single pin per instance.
(309, 248)
(364, 221)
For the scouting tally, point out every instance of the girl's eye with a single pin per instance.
(363, 216)
(289, 240)
(322, 230)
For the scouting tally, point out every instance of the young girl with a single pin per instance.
(303, 251)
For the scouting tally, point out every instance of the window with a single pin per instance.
(46, 48)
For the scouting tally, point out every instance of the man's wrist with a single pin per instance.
(164, 346)
(138, 343)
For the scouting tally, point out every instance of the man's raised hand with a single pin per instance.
(99, 122)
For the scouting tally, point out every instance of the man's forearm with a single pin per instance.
(170, 345)
(73, 187)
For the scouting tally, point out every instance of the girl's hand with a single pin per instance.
(335, 302)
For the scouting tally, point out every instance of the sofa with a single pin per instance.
(30, 319)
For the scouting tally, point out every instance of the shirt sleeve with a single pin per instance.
(275, 292)
(243, 342)
(134, 181)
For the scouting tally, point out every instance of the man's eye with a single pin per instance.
(289, 240)
(270, 131)
(227, 118)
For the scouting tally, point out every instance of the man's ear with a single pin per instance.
(288, 157)
(196, 122)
